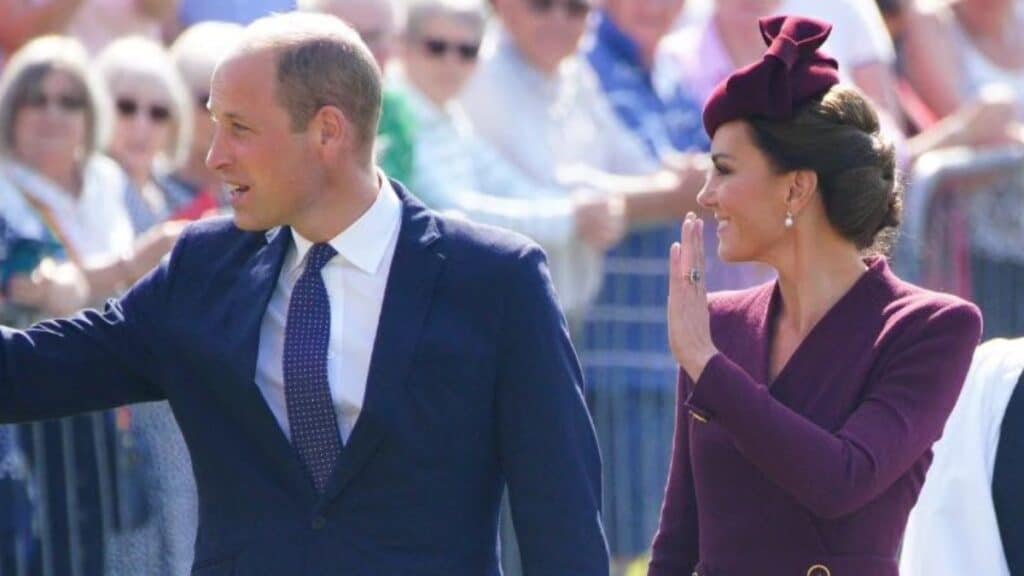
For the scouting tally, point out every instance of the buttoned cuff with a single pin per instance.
(720, 391)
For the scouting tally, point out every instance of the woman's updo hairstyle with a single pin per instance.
(838, 137)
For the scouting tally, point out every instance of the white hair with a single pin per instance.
(138, 56)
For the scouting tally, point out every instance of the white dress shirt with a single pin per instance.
(355, 280)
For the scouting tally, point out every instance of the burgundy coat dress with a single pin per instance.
(814, 473)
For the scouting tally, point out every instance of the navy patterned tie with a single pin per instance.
(311, 417)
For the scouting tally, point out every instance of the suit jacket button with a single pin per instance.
(319, 522)
(819, 570)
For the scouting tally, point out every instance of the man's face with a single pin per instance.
(374, 20)
(269, 168)
(545, 31)
(646, 22)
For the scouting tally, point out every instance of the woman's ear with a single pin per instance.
(803, 185)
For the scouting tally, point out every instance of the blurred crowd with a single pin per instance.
(574, 122)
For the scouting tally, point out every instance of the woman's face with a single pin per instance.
(746, 194)
(441, 57)
(50, 126)
(143, 126)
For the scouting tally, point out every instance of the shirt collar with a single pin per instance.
(365, 243)
(620, 46)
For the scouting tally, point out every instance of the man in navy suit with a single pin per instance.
(357, 377)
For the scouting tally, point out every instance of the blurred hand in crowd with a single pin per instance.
(600, 218)
(55, 289)
(992, 119)
(153, 245)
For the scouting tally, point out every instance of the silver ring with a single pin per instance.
(695, 276)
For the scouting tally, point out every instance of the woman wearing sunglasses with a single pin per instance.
(152, 127)
(808, 406)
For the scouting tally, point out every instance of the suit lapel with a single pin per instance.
(250, 296)
(414, 272)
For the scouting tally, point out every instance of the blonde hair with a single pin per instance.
(138, 56)
(29, 67)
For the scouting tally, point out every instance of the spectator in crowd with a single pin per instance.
(957, 54)
(152, 136)
(100, 22)
(22, 21)
(624, 345)
(807, 407)
(969, 518)
(68, 240)
(196, 52)
(377, 22)
(455, 170)
(152, 133)
(565, 131)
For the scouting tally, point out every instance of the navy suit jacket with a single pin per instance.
(473, 384)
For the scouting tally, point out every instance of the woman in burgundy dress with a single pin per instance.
(808, 406)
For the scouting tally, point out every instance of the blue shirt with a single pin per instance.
(660, 113)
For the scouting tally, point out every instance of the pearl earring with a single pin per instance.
(788, 222)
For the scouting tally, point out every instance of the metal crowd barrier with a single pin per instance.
(929, 183)
(935, 248)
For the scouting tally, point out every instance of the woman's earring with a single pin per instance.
(788, 222)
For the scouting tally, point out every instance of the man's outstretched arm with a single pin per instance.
(94, 360)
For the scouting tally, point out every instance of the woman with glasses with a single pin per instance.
(66, 240)
(152, 129)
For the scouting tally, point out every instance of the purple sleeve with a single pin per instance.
(675, 545)
(902, 414)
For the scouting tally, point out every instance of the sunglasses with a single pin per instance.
(128, 107)
(65, 102)
(438, 48)
(573, 8)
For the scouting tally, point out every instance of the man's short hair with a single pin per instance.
(321, 61)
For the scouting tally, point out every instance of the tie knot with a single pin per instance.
(318, 257)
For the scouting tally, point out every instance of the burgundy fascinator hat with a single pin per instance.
(791, 72)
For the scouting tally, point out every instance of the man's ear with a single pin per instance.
(332, 131)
